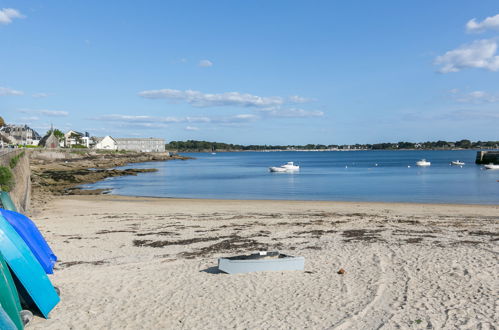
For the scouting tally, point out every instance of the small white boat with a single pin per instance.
(491, 167)
(423, 162)
(288, 167)
(457, 163)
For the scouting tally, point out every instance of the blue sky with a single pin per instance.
(254, 72)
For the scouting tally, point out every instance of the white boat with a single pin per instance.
(457, 163)
(423, 162)
(288, 167)
(491, 167)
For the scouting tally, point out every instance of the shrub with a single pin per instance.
(14, 160)
(6, 178)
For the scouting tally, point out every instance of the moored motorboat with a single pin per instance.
(491, 166)
(457, 163)
(423, 162)
(288, 167)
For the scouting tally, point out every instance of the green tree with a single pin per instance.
(463, 144)
(57, 133)
(2, 122)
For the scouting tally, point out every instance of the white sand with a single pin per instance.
(407, 265)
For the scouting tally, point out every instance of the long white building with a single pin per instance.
(141, 144)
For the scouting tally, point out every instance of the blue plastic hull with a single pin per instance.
(33, 238)
(28, 271)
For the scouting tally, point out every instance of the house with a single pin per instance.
(105, 143)
(141, 144)
(73, 138)
(20, 134)
(49, 141)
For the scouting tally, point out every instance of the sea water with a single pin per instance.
(386, 176)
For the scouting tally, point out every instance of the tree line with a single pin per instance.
(206, 146)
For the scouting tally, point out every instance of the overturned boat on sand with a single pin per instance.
(260, 262)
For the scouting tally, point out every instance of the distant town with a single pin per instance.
(24, 136)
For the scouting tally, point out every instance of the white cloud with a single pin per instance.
(54, 113)
(50, 113)
(488, 23)
(29, 119)
(205, 63)
(298, 99)
(39, 95)
(155, 122)
(477, 97)
(291, 113)
(478, 54)
(8, 14)
(199, 99)
(191, 128)
(138, 119)
(9, 91)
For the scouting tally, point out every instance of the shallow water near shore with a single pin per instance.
(383, 176)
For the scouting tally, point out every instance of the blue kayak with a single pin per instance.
(32, 279)
(33, 238)
(7, 201)
(5, 321)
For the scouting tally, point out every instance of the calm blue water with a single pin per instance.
(340, 176)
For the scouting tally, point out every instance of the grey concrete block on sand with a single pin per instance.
(260, 262)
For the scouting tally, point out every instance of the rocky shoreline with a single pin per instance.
(61, 176)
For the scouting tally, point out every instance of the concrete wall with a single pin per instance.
(487, 157)
(21, 192)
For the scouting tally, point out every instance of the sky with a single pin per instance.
(253, 72)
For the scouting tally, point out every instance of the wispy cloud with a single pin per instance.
(9, 14)
(191, 128)
(199, 99)
(298, 99)
(205, 63)
(50, 113)
(138, 119)
(29, 119)
(39, 95)
(157, 122)
(290, 113)
(9, 91)
(491, 22)
(455, 115)
(480, 54)
(54, 113)
(476, 97)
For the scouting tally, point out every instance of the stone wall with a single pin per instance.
(21, 192)
(487, 157)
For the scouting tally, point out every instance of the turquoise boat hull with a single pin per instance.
(29, 273)
(7, 201)
(32, 237)
(9, 299)
(5, 321)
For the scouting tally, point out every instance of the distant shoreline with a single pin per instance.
(326, 150)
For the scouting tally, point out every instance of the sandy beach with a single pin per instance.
(144, 263)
